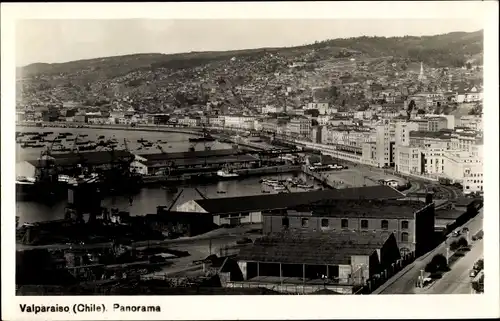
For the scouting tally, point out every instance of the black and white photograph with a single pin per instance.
(170, 157)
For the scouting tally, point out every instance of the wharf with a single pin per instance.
(318, 176)
(212, 175)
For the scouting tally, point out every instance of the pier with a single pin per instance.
(318, 176)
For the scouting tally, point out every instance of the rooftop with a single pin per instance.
(317, 248)
(203, 161)
(428, 134)
(189, 155)
(100, 157)
(257, 203)
(365, 208)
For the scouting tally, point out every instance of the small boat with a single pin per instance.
(224, 173)
(221, 192)
(142, 140)
(305, 186)
(101, 137)
(279, 188)
(265, 192)
(270, 181)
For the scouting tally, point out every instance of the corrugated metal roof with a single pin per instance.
(190, 155)
(258, 203)
(324, 248)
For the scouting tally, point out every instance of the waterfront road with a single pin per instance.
(458, 281)
(405, 280)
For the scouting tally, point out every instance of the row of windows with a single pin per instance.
(364, 224)
(477, 175)
(384, 224)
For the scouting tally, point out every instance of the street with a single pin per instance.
(457, 281)
(404, 281)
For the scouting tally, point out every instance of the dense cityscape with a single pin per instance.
(347, 166)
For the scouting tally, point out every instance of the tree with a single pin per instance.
(420, 112)
(478, 285)
(468, 65)
(480, 264)
(430, 268)
(462, 242)
(440, 262)
(454, 246)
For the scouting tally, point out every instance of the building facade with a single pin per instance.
(411, 222)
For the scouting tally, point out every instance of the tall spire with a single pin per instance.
(421, 76)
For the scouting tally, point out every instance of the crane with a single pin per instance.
(175, 201)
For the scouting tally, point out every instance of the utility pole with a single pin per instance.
(421, 278)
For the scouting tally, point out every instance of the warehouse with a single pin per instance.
(307, 262)
(248, 209)
(412, 222)
(151, 164)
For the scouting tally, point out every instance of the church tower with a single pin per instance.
(421, 76)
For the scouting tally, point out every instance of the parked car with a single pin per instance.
(473, 273)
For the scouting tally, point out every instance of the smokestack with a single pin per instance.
(428, 198)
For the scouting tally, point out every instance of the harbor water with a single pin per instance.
(149, 198)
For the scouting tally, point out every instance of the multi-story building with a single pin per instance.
(450, 119)
(469, 96)
(472, 122)
(432, 160)
(425, 139)
(435, 124)
(402, 133)
(412, 222)
(300, 127)
(369, 154)
(323, 108)
(463, 139)
(189, 121)
(316, 133)
(239, 122)
(269, 125)
(408, 160)
(385, 134)
(465, 167)
(347, 135)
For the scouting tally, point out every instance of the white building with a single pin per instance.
(385, 134)
(472, 122)
(268, 109)
(239, 122)
(466, 168)
(408, 160)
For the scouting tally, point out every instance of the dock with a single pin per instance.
(318, 176)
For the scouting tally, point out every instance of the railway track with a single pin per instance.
(442, 191)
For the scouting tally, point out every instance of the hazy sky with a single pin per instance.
(66, 40)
